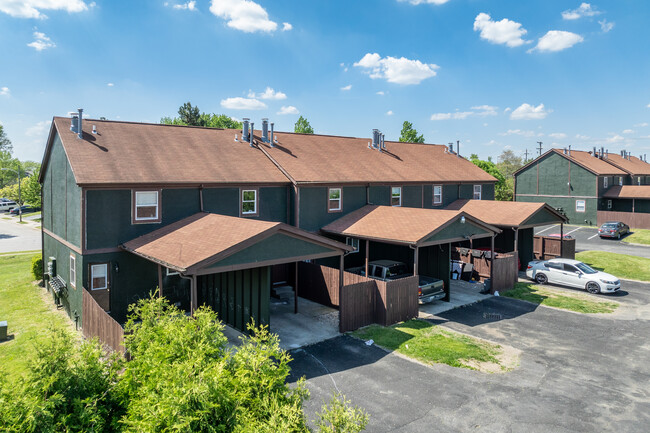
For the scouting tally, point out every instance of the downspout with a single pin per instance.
(201, 197)
(416, 251)
(192, 300)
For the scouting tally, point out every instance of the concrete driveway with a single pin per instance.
(587, 239)
(577, 373)
(18, 237)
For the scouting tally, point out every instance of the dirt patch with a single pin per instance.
(507, 356)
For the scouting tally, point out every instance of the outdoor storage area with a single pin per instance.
(546, 248)
(472, 264)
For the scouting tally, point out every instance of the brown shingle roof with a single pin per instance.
(138, 153)
(503, 213)
(591, 163)
(396, 224)
(629, 191)
(633, 166)
(202, 236)
(330, 159)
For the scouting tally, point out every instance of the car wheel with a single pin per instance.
(593, 287)
(541, 279)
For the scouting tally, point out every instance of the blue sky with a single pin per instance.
(493, 74)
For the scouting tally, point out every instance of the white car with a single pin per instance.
(572, 273)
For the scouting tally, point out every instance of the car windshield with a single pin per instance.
(396, 270)
(585, 268)
(609, 226)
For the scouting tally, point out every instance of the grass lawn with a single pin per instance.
(619, 265)
(579, 302)
(638, 236)
(430, 344)
(29, 316)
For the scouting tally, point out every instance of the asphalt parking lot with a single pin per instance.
(578, 373)
(587, 239)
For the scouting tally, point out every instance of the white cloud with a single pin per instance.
(486, 110)
(557, 135)
(557, 40)
(430, 2)
(110, 84)
(289, 109)
(269, 93)
(243, 104)
(41, 42)
(286, 27)
(605, 26)
(584, 10)
(33, 8)
(647, 106)
(507, 109)
(381, 93)
(244, 15)
(500, 32)
(641, 125)
(190, 6)
(4, 91)
(527, 111)
(582, 137)
(389, 113)
(348, 87)
(38, 130)
(519, 132)
(458, 115)
(394, 70)
(628, 131)
(615, 138)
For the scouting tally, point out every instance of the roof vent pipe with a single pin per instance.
(265, 130)
(564, 150)
(607, 154)
(569, 150)
(244, 133)
(375, 138)
(595, 154)
(272, 134)
(383, 141)
(451, 147)
(73, 121)
(80, 132)
(251, 134)
(94, 129)
(458, 148)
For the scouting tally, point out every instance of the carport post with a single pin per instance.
(492, 262)
(415, 259)
(160, 281)
(561, 240)
(341, 271)
(516, 239)
(193, 294)
(367, 248)
(295, 297)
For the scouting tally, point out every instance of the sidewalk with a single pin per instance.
(462, 293)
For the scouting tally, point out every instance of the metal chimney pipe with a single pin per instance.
(595, 154)
(383, 141)
(272, 145)
(451, 147)
(73, 121)
(375, 138)
(607, 154)
(458, 148)
(252, 133)
(265, 130)
(80, 132)
(569, 150)
(244, 133)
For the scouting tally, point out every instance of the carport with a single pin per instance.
(421, 238)
(517, 221)
(228, 260)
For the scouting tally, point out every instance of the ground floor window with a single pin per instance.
(354, 243)
(99, 276)
(580, 205)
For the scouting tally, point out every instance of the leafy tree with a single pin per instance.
(340, 417)
(219, 121)
(189, 115)
(5, 143)
(31, 190)
(501, 189)
(410, 134)
(508, 163)
(8, 177)
(302, 126)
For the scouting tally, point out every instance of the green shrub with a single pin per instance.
(37, 267)
(339, 417)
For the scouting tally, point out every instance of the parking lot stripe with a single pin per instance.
(575, 230)
(593, 236)
(547, 228)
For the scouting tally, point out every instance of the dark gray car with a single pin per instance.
(613, 229)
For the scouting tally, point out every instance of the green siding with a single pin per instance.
(273, 204)
(488, 191)
(412, 196)
(567, 206)
(224, 201)
(238, 297)
(543, 217)
(277, 246)
(380, 195)
(72, 300)
(456, 230)
(313, 205)
(555, 179)
(525, 246)
(526, 180)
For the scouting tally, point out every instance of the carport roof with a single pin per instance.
(404, 225)
(204, 240)
(509, 213)
(628, 191)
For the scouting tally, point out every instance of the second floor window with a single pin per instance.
(580, 205)
(605, 182)
(146, 206)
(334, 201)
(620, 180)
(437, 194)
(249, 202)
(477, 192)
(73, 270)
(396, 196)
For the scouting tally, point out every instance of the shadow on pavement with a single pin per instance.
(5, 236)
(487, 311)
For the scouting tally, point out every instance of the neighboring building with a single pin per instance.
(571, 181)
(128, 207)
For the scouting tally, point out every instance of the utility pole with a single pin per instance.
(540, 148)
(526, 155)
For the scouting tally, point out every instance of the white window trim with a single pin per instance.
(249, 213)
(620, 181)
(354, 243)
(480, 192)
(605, 182)
(169, 272)
(136, 206)
(439, 201)
(73, 270)
(340, 199)
(92, 279)
(638, 180)
(584, 206)
(400, 196)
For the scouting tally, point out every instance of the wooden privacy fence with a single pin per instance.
(632, 219)
(95, 322)
(546, 248)
(321, 283)
(506, 266)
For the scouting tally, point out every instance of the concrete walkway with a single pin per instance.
(313, 323)
(462, 293)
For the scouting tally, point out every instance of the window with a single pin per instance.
(570, 268)
(638, 180)
(146, 206)
(73, 270)
(354, 243)
(605, 182)
(396, 196)
(249, 202)
(437, 194)
(580, 205)
(334, 203)
(169, 272)
(99, 276)
(609, 204)
(477, 192)
(620, 180)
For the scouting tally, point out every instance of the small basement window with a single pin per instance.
(580, 205)
(146, 206)
(249, 202)
(477, 192)
(334, 200)
(437, 194)
(354, 243)
(396, 196)
(73, 270)
(99, 276)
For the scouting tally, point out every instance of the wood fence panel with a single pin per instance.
(95, 322)
(397, 300)
(506, 272)
(546, 248)
(633, 219)
(358, 305)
